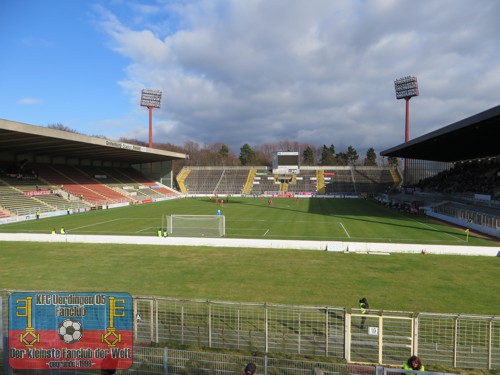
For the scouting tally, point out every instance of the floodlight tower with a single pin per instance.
(406, 88)
(152, 99)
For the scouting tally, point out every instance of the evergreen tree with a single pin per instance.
(308, 156)
(393, 161)
(371, 158)
(247, 155)
(352, 155)
(332, 149)
(342, 158)
(327, 158)
(224, 151)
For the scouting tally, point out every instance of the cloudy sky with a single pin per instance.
(249, 71)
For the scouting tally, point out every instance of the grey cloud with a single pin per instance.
(319, 72)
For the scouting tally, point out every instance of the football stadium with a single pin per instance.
(112, 261)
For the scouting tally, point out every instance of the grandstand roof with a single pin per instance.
(473, 137)
(18, 138)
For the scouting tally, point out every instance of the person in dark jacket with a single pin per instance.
(250, 369)
(363, 306)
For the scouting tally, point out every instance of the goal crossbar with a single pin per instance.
(196, 225)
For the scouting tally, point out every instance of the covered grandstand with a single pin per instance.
(474, 137)
(455, 172)
(45, 170)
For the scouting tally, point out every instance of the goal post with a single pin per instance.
(196, 225)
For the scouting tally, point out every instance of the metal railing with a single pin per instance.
(387, 337)
(168, 361)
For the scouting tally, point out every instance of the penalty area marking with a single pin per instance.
(96, 224)
(110, 221)
(144, 230)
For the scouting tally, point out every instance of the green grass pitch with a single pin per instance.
(432, 283)
(354, 220)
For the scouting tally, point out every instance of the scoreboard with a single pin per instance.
(286, 163)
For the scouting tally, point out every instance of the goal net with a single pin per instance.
(196, 225)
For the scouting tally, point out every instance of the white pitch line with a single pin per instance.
(143, 230)
(455, 237)
(267, 231)
(93, 225)
(434, 229)
(345, 230)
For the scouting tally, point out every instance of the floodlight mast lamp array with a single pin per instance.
(151, 99)
(406, 88)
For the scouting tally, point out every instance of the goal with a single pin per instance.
(196, 225)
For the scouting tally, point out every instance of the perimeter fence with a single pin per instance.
(377, 337)
(148, 360)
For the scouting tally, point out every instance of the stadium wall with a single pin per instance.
(335, 246)
(464, 223)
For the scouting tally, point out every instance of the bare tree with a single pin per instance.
(63, 128)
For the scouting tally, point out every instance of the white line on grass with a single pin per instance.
(94, 224)
(274, 221)
(145, 229)
(345, 230)
(267, 231)
(431, 227)
(455, 237)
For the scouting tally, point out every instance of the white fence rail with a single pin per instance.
(167, 361)
(387, 337)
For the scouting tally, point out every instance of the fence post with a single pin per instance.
(490, 344)
(455, 338)
(238, 329)
(380, 339)
(182, 324)
(347, 337)
(266, 328)
(165, 361)
(327, 314)
(299, 333)
(209, 324)
(134, 304)
(6, 363)
(416, 323)
(157, 334)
